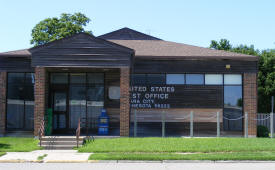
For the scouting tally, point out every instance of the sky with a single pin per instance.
(194, 22)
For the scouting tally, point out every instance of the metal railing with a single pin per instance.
(78, 133)
(41, 131)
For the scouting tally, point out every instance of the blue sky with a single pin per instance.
(194, 22)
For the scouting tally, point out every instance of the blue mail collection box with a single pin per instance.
(103, 123)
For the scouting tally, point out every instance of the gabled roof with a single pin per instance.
(170, 50)
(16, 53)
(127, 34)
(146, 46)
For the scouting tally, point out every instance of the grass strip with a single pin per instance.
(18, 144)
(179, 145)
(40, 158)
(173, 156)
(2, 153)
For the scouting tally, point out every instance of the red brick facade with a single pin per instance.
(124, 101)
(250, 101)
(3, 86)
(39, 97)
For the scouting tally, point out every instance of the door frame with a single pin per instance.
(62, 88)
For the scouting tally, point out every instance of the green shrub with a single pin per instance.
(262, 131)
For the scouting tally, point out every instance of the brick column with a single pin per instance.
(3, 95)
(39, 97)
(124, 101)
(250, 101)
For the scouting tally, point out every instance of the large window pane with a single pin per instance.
(77, 104)
(16, 78)
(233, 108)
(232, 79)
(78, 78)
(155, 79)
(20, 101)
(194, 79)
(233, 96)
(95, 93)
(213, 79)
(60, 101)
(15, 114)
(175, 79)
(95, 78)
(59, 78)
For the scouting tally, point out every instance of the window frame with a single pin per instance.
(24, 109)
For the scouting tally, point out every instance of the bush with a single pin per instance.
(262, 131)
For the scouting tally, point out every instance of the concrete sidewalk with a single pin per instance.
(50, 156)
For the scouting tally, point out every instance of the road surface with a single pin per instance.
(138, 166)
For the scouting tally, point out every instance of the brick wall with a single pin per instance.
(3, 85)
(250, 101)
(124, 101)
(39, 97)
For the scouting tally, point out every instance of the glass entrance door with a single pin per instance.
(59, 111)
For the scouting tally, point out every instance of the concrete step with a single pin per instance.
(58, 147)
(61, 138)
(61, 142)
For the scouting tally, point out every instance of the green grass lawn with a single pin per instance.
(195, 156)
(2, 153)
(16, 144)
(151, 145)
(181, 149)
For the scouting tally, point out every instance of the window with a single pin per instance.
(95, 78)
(196, 79)
(77, 78)
(175, 79)
(20, 101)
(232, 79)
(59, 78)
(213, 79)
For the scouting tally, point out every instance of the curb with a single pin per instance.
(21, 161)
(65, 161)
(132, 161)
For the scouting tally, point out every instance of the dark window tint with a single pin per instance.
(59, 78)
(16, 78)
(95, 78)
(155, 79)
(233, 108)
(233, 96)
(194, 79)
(20, 101)
(95, 93)
(78, 78)
(138, 79)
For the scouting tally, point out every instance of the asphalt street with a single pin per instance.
(138, 166)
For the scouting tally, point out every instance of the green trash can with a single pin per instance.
(49, 119)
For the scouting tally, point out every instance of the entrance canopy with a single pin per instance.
(81, 50)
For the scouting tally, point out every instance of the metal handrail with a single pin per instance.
(78, 132)
(41, 131)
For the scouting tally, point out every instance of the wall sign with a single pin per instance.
(151, 96)
(176, 96)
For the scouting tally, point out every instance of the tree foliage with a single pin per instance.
(51, 29)
(266, 70)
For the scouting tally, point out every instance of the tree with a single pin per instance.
(224, 44)
(266, 70)
(51, 29)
